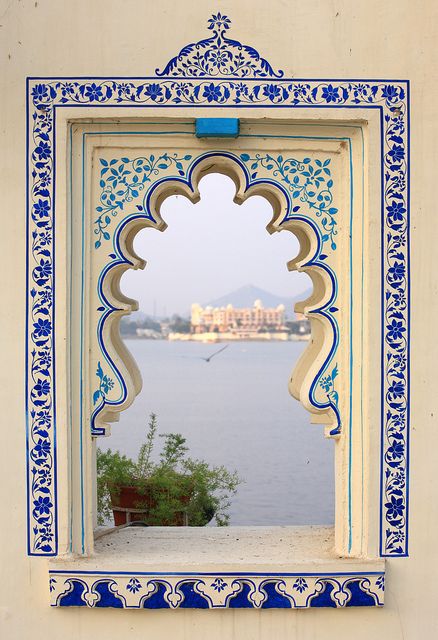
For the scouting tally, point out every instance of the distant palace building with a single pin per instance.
(238, 321)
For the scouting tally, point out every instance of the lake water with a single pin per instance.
(236, 410)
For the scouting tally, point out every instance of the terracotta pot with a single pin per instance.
(131, 505)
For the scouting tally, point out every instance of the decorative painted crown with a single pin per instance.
(219, 56)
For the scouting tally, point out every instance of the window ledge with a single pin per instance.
(236, 567)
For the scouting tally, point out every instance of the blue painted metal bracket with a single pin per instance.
(217, 127)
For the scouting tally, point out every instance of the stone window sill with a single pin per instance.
(236, 567)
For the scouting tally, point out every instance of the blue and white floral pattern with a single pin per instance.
(133, 585)
(216, 591)
(218, 584)
(219, 56)
(300, 585)
(308, 183)
(122, 180)
(214, 75)
(327, 383)
(105, 385)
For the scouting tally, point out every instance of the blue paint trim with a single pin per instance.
(408, 312)
(382, 324)
(242, 135)
(217, 106)
(70, 409)
(90, 134)
(81, 384)
(217, 127)
(55, 431)
(26, 336)
(189, 123)
(350, 417)
(362, 336)
(216, 79)
(54, 572)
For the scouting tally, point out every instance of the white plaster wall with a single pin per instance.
(325, 38)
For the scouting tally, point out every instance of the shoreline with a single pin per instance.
(203, 338)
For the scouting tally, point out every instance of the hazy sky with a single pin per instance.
(210, 249)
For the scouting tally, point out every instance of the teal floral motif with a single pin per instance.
(121, 180)
(327, 383)
(308, 182)
(105, 384)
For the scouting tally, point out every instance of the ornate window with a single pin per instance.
(331, 158)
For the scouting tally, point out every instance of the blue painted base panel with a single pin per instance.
(124, 590)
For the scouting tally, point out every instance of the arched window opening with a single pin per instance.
(235, 408)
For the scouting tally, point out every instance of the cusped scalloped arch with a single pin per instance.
(319, 353)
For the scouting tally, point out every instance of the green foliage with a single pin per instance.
(143, 466)
(174, 487)
(129, 327)
(180, 325)
(113, 470)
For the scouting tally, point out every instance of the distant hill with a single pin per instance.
(240, 298)
(246, 296)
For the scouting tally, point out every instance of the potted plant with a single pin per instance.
(177, 490)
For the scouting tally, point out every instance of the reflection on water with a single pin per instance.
(236, 410)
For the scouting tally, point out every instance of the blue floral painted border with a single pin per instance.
(217, 71)
(216, 591)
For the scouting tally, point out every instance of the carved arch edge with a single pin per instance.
(306, 376)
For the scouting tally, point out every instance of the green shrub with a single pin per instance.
(175, 484)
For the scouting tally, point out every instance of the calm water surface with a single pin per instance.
(236, 410)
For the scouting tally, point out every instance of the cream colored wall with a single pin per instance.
(326, 38)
